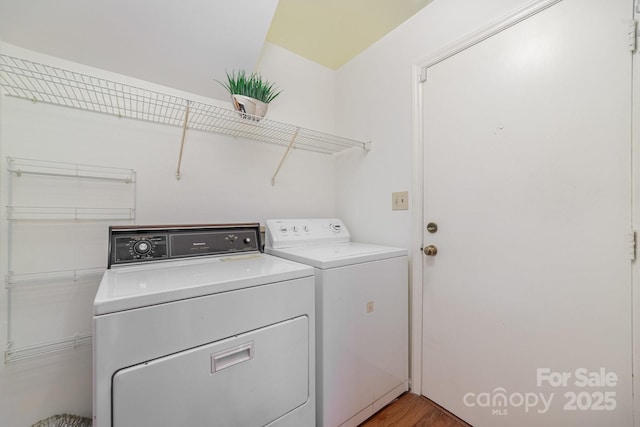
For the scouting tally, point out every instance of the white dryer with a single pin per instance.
(362, 320)
(194, 326)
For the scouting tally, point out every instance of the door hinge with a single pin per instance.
(423, 75)
(632, 245)
(633, 35)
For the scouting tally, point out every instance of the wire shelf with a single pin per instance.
(14, 353)
(20, 166)
(43, 83)
(68, 213)
(86, 193)
(13, 280)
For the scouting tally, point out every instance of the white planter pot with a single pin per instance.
(249, 108)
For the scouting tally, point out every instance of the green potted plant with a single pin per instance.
(250, 93)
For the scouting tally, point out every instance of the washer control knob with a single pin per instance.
(247, 240)
(336, 227)
(295, 228)
(142, 247)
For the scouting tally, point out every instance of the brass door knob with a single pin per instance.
(430, 250)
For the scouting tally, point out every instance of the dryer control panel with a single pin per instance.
(288, 233)
(135, 244)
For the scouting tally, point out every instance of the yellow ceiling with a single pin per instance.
(331, 32)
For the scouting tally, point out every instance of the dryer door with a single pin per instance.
(246, 380)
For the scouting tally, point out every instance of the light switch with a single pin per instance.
(400, 201)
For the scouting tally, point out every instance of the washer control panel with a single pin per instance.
(135, 244)
(286, 233)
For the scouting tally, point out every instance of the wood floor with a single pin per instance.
(411, 410)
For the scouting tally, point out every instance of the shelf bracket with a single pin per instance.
(184, 134)
(286, 154)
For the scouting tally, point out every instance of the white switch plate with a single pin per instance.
(400, 201)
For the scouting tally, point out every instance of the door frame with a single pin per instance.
(635, 221)
(416, 309)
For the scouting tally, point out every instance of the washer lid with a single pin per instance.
(339, 255)
(135, 286)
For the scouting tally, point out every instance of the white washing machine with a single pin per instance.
(362, 320)
(194, 326)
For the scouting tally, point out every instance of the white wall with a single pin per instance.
(308, 95)
(223, 180)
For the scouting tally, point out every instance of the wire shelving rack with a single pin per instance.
(44, 83)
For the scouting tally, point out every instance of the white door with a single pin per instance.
(527, 303)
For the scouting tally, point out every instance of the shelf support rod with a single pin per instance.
(184, 134)
(286, 154)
